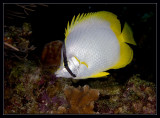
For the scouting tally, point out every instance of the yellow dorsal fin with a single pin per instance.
(112, 19)
(101, 74)
(75, 21)
(103, 15)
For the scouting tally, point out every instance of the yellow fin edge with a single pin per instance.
(126, 52)
(75, 21)
(104, 15)
(101, 74)
(126, 56)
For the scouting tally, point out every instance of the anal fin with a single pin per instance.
(101, 74)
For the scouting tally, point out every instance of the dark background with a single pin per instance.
(49, 23)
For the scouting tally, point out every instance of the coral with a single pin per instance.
(17, 41)
(137, 97)
(53, 89)
(51, 55)
(141, 94)
(29, 90)
(102, 83)
(81, 100)
(50, 105)
(21, 74)
(21, 85)
(107, 86)
(111, 90)
(61, 110)
(24, 69)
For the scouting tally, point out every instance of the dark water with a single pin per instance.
(49, 23)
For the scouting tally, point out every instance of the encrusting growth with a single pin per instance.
(81, 100)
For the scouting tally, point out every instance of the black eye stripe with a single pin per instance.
(65, 61)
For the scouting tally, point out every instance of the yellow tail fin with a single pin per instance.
(127, 35)
(126, 53)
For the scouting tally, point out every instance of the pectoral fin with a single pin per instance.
(81, 62)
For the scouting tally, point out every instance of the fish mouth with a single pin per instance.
(59, 74)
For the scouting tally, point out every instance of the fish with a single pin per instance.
(94, 43)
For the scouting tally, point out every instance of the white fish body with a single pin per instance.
(93, 45)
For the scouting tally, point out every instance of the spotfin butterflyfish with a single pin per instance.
(95, 43)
